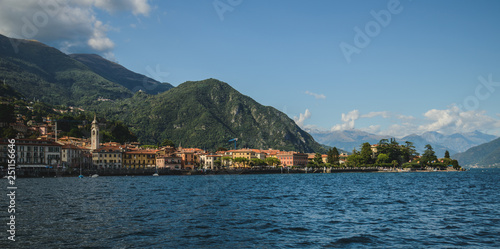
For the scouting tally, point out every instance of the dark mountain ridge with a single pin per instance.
(39, 71)
(207, 114)
(203, 114)
(117, 73)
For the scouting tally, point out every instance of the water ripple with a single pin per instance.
(351, 210)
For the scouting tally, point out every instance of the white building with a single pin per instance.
(33, 153)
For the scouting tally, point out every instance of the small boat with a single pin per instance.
(80, 176)
(94, 175)
(156, 174)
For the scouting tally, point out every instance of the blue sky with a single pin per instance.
(431, 66)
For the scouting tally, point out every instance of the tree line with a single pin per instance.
(391, 154)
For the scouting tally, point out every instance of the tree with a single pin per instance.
(333, 156)
(273, 161)
(455, 165)
(318, 159)
(394, 163)
(382, 158)
(217, 163)
(7, 115)
(241, 161)
(446, 154)
(221, 149)
(167, 142)
(354, 160)
(383, 142)
(366, 153)
(391, 149)
(75, 132)
(9, 132)
(225, 160)
(408, 151)
(257, 162)
(428, 156)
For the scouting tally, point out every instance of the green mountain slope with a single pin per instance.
(9, 92)
(485, 155)
(117, 73)
(39, 71)
(203, 114)
(207, 114)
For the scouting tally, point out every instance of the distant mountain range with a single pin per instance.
(483, 156)
(204, 114)
(346, 140)
(454, 143)
(352, 139)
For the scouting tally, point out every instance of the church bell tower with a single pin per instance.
(94, 140)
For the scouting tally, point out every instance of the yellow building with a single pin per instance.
(245, 153)
(109, 157)
(137, 159)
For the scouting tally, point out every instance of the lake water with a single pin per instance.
(345, 210)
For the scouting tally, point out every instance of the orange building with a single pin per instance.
(292, 158)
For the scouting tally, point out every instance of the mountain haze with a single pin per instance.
(484, 155)
(454, 143)
(347, 139)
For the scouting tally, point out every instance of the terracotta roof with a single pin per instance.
(141, 152)
(108, 149)
(38, 142)
(70, 146)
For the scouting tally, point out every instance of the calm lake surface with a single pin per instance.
(345, 210)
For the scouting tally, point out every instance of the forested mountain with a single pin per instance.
(484, 155)
(203, 114)
(207, 114)
(45, 73)
(8, 91)
(115, 72)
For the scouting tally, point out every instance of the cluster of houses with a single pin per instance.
(50, 151)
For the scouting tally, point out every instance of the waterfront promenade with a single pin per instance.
(51, 172)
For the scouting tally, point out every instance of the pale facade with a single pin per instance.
(109, 157)
(33, 153)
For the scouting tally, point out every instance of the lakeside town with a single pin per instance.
(70, 155)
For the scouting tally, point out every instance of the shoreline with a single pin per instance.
(42, 173)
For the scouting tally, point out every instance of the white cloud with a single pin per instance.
(400, 130)
(447, 121)
(384, 114)
(454, 120)
(405, 118)
(302, 117)
(348, 121)
(72, 25)
(138, 7)
(99, 41)
(374, 129)
(317, 96)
